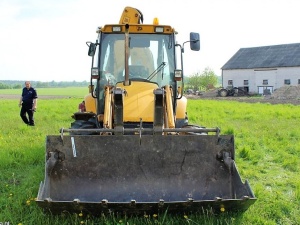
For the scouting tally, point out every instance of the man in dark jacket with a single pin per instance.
(28, 101)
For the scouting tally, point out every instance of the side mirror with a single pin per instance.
(92, 48)
(194, 41)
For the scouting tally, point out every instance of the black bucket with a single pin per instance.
(147, 174)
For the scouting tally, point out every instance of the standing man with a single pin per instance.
(28, 101)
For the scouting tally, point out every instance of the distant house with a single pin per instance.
(263, 69)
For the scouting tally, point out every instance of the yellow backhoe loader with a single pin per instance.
(133, 151)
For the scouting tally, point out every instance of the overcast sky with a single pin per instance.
(45, 40)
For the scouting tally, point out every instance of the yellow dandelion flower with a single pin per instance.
(185, 217)
(81, 222)
(146, 216)
(19, 223)
(154, 215)
(120, 221)
(80, 214)
(222, 209)
(28, 202)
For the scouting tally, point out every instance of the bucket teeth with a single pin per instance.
(161, 202)
(48, 200)
(190, 200)
(76, 200)
(133, 202)
(246, 197)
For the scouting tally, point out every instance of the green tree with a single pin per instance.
(203, 81)
(194, 82)
(17, 86)
(4, 86)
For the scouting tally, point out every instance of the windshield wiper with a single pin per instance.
(159, 68)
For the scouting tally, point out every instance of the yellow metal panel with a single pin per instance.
(181, 108)
(138, 101)
(170, 114)
(130, 15)
(138, 28)
(90, 103)
(107, 119)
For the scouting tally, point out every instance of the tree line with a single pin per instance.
(18, 84)
(202, 81)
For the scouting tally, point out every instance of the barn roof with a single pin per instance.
(286, 55)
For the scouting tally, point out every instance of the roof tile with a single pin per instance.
(286, 55)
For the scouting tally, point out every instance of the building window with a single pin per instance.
(298, 81)
(287, 81)
(246, 82)
(230, 82)
(265, 82)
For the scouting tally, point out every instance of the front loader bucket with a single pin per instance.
(137, 175)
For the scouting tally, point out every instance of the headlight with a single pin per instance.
(178, 75)
(159, 29)
(95, 73)
(116, 29)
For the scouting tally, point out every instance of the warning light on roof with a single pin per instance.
(155, 21)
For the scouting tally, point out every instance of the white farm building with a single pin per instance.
(263, 69)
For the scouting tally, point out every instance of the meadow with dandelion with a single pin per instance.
(267, 139)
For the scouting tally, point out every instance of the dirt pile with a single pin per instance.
(286, 92)
(283, 95)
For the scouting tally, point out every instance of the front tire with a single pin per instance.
(83, 124)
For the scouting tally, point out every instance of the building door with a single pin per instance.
(262, 90)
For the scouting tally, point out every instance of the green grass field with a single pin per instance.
(267, 139)
(67, 91)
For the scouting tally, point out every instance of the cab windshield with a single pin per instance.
(151, 58)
